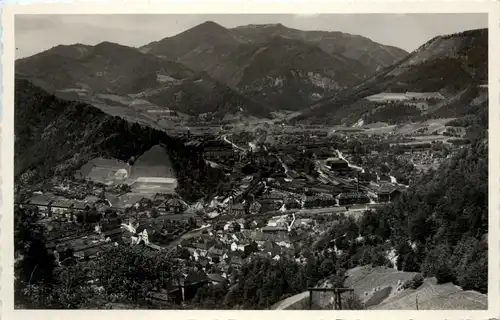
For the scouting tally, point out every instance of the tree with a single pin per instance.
(444, 273)
(102, 194)
(237, 227)
(154, 213)
(417, 281)
(34, 264)
(327, 267)
(470, 262)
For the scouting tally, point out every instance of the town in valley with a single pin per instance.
(220, 168)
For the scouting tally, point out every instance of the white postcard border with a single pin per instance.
(228, 7)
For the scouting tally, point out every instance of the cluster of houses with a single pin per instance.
(227, 245)
(281, 197)
(222, 249)
(88, 243)
(52, 206)
(423, 158)
(212, 149)
(48, 205)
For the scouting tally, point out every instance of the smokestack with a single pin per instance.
(357, 183)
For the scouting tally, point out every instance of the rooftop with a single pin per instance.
(41, 199)
(351, 195)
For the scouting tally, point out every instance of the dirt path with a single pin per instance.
(288, 302)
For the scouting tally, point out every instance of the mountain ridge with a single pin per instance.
(110, 68)
(429, 68)
(230, 51)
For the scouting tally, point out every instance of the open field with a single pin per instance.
(428, 127)
(103, 170)
(409, 128)
(154, 187)
(436, 124)
(424, 140)
(128, 108)
(376, 125)
(380, 129)
(430, 295)
(153, 163)
(433, 296)
(404, 96)
(128, 114)
(431, 138)
(152, 173)
(365, 279)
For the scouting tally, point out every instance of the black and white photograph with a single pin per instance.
(330, 161)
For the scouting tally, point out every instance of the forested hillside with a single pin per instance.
(440, 226)
(80, 132)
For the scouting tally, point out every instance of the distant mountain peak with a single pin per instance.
(207, 27)
(109, 44)
(210, 23)
(73, 51)
(266, 25)
(74, 45)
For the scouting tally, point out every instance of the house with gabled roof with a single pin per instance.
(236, 259)
(255, 207)
(216, 278)
(184, 287)
(387, 193)
(203, 244)
(175, 205)
(271, 248)
(217, 250)
(292, 203)
(347, 198)
(319, 201)
(258, 237)
(270, 204)
(237, 209)
(204, 262)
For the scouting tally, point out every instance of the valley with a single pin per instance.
(221, 168)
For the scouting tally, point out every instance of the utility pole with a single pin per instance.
(357, 183)
(339, 299)
(310, 299)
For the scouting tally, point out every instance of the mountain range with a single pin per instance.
(82, 72)
(211, 69)
(281, 67)
(253, 70)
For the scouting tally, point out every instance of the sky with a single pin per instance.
(36, 33)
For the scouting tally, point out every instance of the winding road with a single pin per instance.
(191, 234)
(224, 137)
